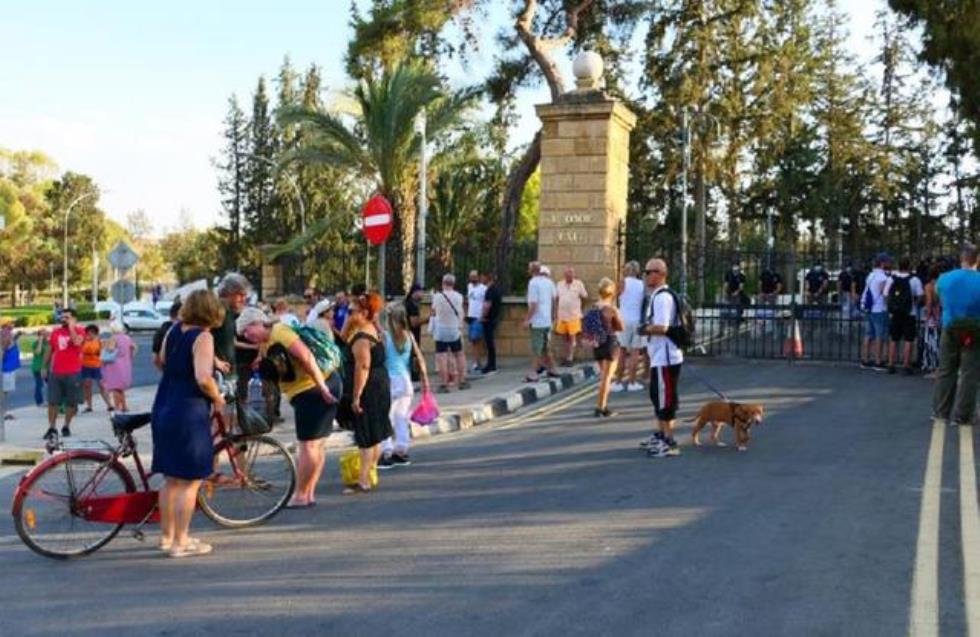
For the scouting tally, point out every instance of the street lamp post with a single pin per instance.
(423, 202)
(64, 271)
(686, 141)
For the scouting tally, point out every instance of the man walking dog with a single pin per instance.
(666, 359)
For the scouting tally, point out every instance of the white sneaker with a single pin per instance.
(617, 387)
(635, 387)
(476, 369)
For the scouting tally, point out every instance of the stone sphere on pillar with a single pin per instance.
(588, 68)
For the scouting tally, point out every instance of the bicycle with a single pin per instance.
(79, 499)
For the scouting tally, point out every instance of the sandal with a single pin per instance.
(305, 505)
(193, 548)
(357, 489)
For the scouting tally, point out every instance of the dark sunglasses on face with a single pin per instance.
(653, 271)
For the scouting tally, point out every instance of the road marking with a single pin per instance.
(970, 526)
(924, 611)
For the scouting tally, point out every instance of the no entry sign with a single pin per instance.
(377, 215)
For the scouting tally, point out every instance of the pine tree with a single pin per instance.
(262, 211)
(232, 183)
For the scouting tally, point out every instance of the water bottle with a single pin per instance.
(255, 399)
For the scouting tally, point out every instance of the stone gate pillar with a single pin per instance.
(584, 176)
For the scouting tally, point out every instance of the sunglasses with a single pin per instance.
(653, 271)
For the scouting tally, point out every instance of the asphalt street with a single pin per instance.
(144, 373)
(555, 523)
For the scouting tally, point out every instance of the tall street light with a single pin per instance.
(64, 271)
(423, 202)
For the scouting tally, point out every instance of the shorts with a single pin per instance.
(64, 389)
(449, 346)
(540, 341)
(630, 337)
(9, 381)
(569, 328)
(92, 373)
(902, 327)
(876, 326)
(663, 391)
(314, 417)
(607, 351)
(475, 331)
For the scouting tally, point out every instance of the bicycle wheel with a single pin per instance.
(45, 512)
(255, 477)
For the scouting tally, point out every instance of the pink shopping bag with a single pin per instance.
(427, 410)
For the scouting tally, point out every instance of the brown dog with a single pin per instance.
(741, 416)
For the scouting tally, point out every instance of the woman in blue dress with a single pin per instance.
(182, 444)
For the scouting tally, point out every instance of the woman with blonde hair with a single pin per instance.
(606, 349)
(371, 394)
(400, 347)
(182, 446)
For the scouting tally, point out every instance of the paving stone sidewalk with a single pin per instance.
(489, 397)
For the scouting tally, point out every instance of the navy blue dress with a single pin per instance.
(182, 445)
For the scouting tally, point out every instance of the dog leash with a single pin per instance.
(704, 381)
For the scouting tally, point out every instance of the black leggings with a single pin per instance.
(489, 330)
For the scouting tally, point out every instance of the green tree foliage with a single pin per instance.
(194, 254)
(951, 41)
(233, 183)
(380, 145)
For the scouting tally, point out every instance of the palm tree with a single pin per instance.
(459, 199)
(380, 144)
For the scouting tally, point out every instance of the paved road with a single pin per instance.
(144, 373)
(556, 524)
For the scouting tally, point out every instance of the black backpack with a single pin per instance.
(900, 295)
(682, 331)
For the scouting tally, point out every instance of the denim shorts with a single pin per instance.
(876, 326)
(91, 373)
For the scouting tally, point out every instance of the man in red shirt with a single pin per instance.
(63, 367)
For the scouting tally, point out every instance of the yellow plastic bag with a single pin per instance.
(350, 469)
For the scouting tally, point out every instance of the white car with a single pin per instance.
(141, 319)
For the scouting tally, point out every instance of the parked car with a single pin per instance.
(141, 319)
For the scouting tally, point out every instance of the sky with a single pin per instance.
(134, 93)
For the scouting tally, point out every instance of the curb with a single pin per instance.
(504, 404)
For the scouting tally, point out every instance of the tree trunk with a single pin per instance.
(516, 180)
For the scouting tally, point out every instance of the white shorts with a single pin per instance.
(9, 381)
(630, 337)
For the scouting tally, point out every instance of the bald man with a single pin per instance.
(666, 359)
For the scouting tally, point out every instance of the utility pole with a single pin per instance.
(686, 143)
(420, 124)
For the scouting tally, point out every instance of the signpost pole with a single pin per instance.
(382, 262)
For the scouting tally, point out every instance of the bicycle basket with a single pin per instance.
(252, 422)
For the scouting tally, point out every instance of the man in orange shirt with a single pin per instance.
(571, 293)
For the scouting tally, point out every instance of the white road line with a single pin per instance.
(970, 525)
(924, 611)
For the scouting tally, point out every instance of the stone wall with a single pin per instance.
(513, 339)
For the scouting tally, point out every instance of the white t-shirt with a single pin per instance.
(631, 300)
(475, 293)
(443, 304)
(541, 290)
(662, 311)
(876, 282)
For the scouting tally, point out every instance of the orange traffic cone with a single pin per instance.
(793, 346)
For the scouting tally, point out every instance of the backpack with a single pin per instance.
(682, 332)
(325, 351)
(900, 295)
(594, 327)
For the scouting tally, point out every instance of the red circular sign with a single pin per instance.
(378, 216)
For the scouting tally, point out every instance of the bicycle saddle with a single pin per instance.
(130, 422)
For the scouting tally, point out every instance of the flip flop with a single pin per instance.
(194, 548)
(357, 489)
(300, 506)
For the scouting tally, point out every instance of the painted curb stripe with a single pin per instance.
(924, 611)
(970, 527)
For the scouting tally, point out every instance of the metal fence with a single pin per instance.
(813, 332)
